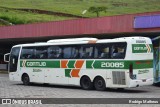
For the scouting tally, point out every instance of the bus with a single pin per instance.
(86, 62)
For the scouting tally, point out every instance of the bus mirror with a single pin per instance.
(6, 57)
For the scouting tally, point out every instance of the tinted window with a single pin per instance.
(86, 51)
(118, 50)
(41, 53)
(67, 52)
(82, 51)
(54, 52)
(28, 53)
(102, 51)
(70, 52)
(110, 51)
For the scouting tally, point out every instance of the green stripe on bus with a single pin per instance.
(71, 64)
(103, 64)
(91, 64)
(67, 72)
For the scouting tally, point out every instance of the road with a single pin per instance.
(10, 89)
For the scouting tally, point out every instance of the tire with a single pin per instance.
(26, 80)
(99, 84)
(86, 83)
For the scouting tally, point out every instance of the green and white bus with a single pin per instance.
(86, 62)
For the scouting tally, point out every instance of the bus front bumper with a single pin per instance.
(143, 82)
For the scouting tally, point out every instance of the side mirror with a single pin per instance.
(6, 57)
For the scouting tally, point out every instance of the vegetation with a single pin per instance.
(74, 7)
(1, 24)
(97, 10)
(21, 17)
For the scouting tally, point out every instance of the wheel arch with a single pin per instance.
(102, 85)
(24, 74)
(83, 84)
(98, 77)
(83, 77)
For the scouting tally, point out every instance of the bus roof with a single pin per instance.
(86, 40)
(71, 40)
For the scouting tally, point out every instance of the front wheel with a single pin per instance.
(99, 84)
(26, 80)
(86, 83)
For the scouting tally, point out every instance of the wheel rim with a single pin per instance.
(25, 80)
(86, 83)
(100, 83)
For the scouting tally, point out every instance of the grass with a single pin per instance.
(21, 17)
(115, 7)
(1, 24)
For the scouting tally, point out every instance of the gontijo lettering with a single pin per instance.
(41, 64)
(140, 48)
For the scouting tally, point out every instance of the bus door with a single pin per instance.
(14, 59)
(13, 63)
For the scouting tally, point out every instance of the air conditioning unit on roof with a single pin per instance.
(72, 40)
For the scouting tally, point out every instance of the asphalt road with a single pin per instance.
(9, 89)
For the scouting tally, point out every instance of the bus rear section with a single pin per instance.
(140, 64)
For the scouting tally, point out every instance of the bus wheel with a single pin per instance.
(86, 83)
(25, 79)
(99, 84)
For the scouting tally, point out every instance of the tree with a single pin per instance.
(97, 10)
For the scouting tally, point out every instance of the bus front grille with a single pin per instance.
(118, 77)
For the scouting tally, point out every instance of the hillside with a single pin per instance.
(33, 11)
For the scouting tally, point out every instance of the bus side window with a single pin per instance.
(70, 52)
(75, 52)
(118, 51)
(54, 52)
(86, 52)
(67, 52)
(41, 52)
(28, 53)
(31, 54)
(103, 51)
